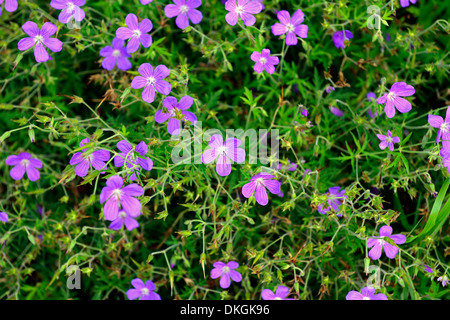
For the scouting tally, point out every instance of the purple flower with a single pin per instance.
(116, 54)
(136, 32)
(405, 3)
(243, 9)
(223, 151)
(428, 269)
(115, 197)
(184, 10)
(329, 89)
(264, 61)
(388, 37)
(258, 185)
(444, 128)
(22, 163)
(85, 159)
(41, 39)
(122, 219)
(306, 172)
(335, 199)
(380, 244)
(304, 112)
(10, 5)
(387, 141)
(226, 272)
(367, 293)
(70, 8)
(289, 167)
(135, 158)
(337, 112)
(292, 26)
(176, 112)
(444, 280)
(371, 96)
(393, 100)
(339, 38)
(145, 2)
(152, 80)
(142, 291)
(280, 294)
(3, 217)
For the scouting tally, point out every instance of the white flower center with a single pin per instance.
(366, 298)
(117, 193)
(184, 9)
(226, 269)
(25, 162)
(239, 10)
(221, 149)
(137, 33)
(151, 80)
(145, 291)
(389, 139)
(391, 96)
(263, 60)
(444, 127)
(277, 298)
(259, 181)
(116, 53)
(290, 27)
(39, 38)
(122, 214)
(70, 6)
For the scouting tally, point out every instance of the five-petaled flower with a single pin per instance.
(264, 61)
(23, 162)
(116, 196)
(339, 38)
(379, 243)
(116, 54)
(245, 9)
(393, 100)
(444, 128)
(258, 185)
(335, 200)
(223, 151)
(124, 219)
(85, 159)
(292, 27)
(70, 8)
(152, 81)
(184, 10)
(40, 39)
(176, 112)
(280, 294)
(444, 280)
(367, 293)
(136, 32)
(226, 273)
(133, 158)
(3, 217)
(387, 141)
(10, 5)
(142, 291)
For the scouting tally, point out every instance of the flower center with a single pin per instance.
(366, 298)
(117, 193)
(39, 38)
(239, 10)
(151, 80)
(263, 60)
(259, 181)
(277, 298)
(70, 6)
(290, 27)
(122, 214)
(116, 53)
(145, 291)
(444, 127)
(391, 96)
(137, 33)
(226, 269)
(25, 163)
(221, 149)
(184, 9)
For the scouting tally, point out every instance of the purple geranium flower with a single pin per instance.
(387, 141)
(379, 244)
(393, 100)
(184, 10)
(264, 61)
(292, 26)
(124, 218)
(444, 128)
(304, 112)
(258, 185)
(337, 112)
(444, 280)
(116, 54)
(41, 39)
(367, 293)
(335, 199)
(280, 294)
(152, 80)
(289, 167)
(145, 2)
(84, 160)
(176, 112)
(405, 3)
(339, 38)
(226, 273)
(10, 5)
(428, 269)
(70, 8)
(243, 9)
(23, 162)
(329, 89)
(142, 291)
(371, 97)
(116, 196)
(223, 151)
(135, 158)
(3, 217)
(136, 32)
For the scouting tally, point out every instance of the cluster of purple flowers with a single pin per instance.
(335, 199)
